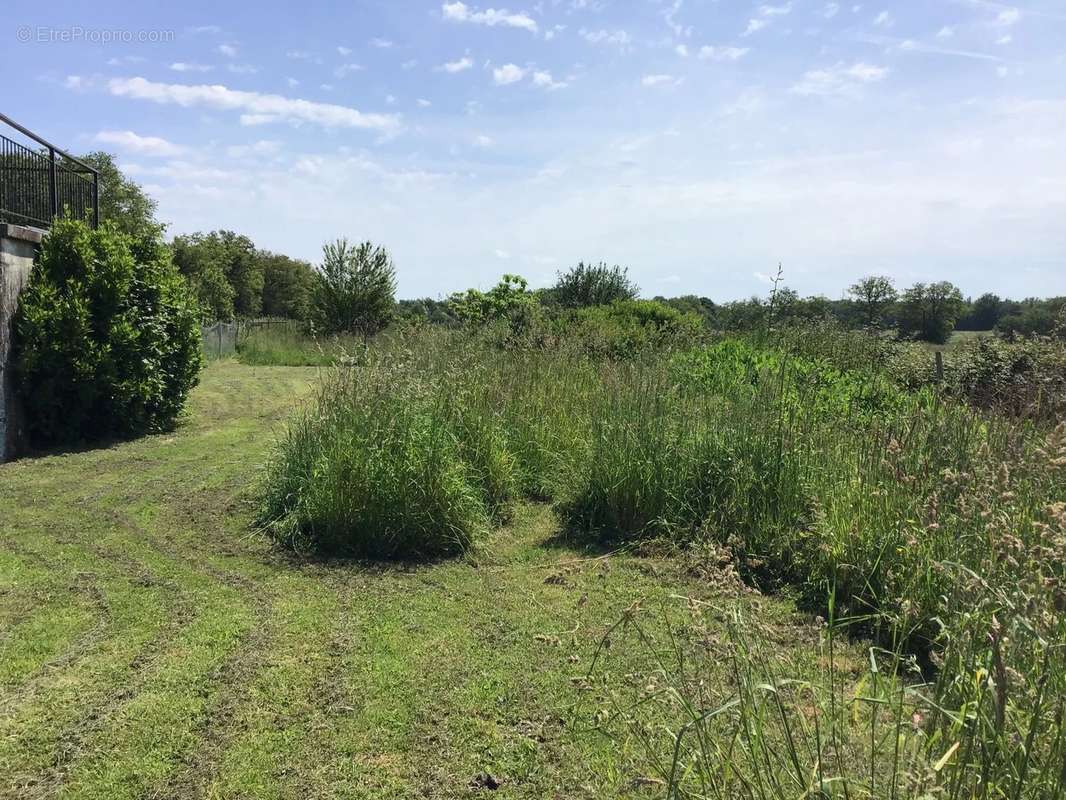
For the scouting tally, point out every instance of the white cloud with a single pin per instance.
(263, 147)
(508, 74)
(483, 141)
(242, 69)
(503, 254)
(712, 53)
(255, 108)
(883, 19)
(1008, 17)
(1005, 39)
(382, 44)
(618, 38)
(423, 103)
(754, 26)
(775, 11)
(460, 12)
(128, 59)
(134, 143)
(682, 50)
(344, 70)
(831, 10)
(460, 65)
(839, 80)
(228, 50)
(188, 66)
(660, 81)
(344, 51)
(292, 82)
(544, 80)
(945, 33)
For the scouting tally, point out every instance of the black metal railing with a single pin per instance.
(38, 184)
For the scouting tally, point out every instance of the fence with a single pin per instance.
(220, 339)
(37, 185)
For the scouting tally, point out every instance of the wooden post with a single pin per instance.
(939, 366)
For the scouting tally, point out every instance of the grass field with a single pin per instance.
(153, 645)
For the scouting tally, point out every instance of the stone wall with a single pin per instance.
(18, 245)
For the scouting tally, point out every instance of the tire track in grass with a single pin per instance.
(266, 737)
(39, 724)
(131, 750)
(67, 741)
(54, 634)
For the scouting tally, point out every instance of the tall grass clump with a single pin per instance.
(714, 709)
(389, 464)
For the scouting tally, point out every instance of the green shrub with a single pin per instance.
(107, 338)
(591, 284)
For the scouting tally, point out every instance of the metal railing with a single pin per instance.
(37, 185)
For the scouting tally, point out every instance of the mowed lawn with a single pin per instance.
(153, 645)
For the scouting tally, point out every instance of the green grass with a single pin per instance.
(153, 646)
(286, 344)
(935, 528)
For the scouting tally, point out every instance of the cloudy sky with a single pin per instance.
(699, 142)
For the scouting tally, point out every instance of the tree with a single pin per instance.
(929, 311)
(107, 340)
(354, 289)
(123, 201)
(287, 285)
(985, 313)
(593, 285)
(206, 276)
(873, 295)
(225, 271)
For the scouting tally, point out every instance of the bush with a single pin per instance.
(593, 285)
(107, 338)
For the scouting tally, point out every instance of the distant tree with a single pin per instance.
(206, 276)
(224, 270)
(509, 296)
(287, 285)
(873, 296)
(426, 309)
(593, 285)
(354, 289)
(1033, 316)
(983, 315)
(122, 200)
(929, 311)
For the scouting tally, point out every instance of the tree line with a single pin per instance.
(354, 287)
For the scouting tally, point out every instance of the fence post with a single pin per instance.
(96, 200)
(939, 366)
(219, 326)
(53, 183)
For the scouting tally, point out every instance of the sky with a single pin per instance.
(700, 143)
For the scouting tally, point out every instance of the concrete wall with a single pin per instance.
(18, 245)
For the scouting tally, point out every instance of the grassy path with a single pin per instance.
(152, 646)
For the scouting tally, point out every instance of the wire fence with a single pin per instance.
(220, 339)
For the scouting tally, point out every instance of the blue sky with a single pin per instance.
(699, 142)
